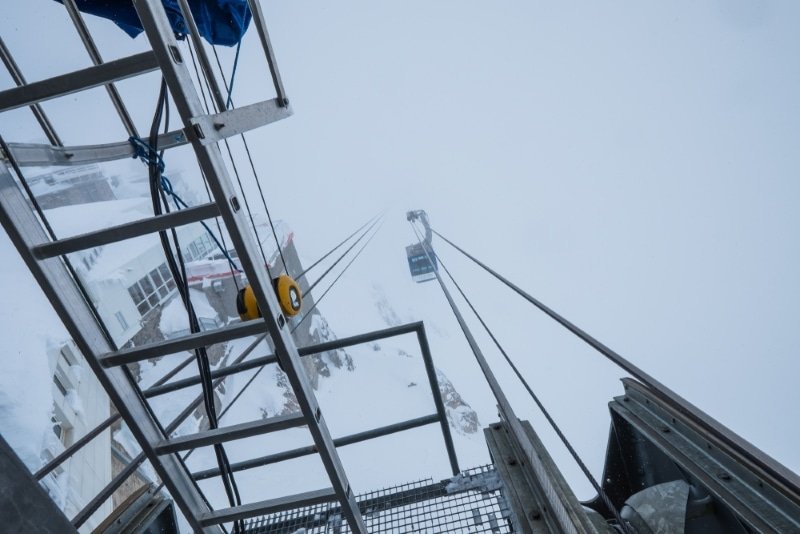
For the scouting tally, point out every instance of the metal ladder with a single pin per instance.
(44, 259)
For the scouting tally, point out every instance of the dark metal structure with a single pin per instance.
(470, 502)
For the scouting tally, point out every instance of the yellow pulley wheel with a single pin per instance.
(290, 297)
(246, 304)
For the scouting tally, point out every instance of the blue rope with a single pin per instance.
(145, 152)
(233, 74)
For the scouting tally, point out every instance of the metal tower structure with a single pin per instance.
(668, 464)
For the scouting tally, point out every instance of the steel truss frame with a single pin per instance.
(43, 256)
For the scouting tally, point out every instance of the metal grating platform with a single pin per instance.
(468, 503)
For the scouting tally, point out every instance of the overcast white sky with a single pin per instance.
(632, 164)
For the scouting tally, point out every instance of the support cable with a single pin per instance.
(150, 156)
(493, 381)
(575, 456)
(205, 180)
(172, 373)
(55, 462)
(233, 73)
(331, 251)
(317, 301)
(262, 367)
(621, 362)
(343, 254)
(177, 267)
(239, 181)
(250, 156)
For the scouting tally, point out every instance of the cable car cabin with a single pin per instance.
(420, 266)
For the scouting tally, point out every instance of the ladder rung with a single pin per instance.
(125, 231)
(311, 449)
(232, 369)
(183, 343)
(230, 433)
(79, 80)
(269, 506)
(239, 120)
(40, 155)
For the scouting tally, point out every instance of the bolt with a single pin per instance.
(512, 461)
(219, 125)
(536, 515)
(723, 475)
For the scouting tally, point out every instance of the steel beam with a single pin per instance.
(266, 44)
(228, 370)
(125, 231)
(25, 232)
(19, 80)
(183, 343)
(94, 53)
(215, 128)
(563, 509)
(75, 447)
(229, 433)
(360, 339)
(76, 81)
(38, 155)
(437, 398)
(761, 501)
(270, 506)
(210, 160)
(132, 355)
(305, 451)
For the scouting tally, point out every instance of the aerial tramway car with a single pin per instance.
(422, 268)
(421, 258)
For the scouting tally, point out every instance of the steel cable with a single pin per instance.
(575, 456)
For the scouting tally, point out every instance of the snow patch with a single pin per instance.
(26, 398)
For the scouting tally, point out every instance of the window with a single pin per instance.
(147, 285)
(151, 290)
(60, 385)
(62, 430)
(156, 277)
(200, 248)
(136, 293)
(66, 353)
(58, 430)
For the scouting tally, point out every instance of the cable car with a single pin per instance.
(422, 270)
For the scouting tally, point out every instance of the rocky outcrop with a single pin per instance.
(460, 415)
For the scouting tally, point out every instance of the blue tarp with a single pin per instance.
(220, 22)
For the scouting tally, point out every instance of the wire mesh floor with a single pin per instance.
(471, 502)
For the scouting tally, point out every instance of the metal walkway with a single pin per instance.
(468, 503)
